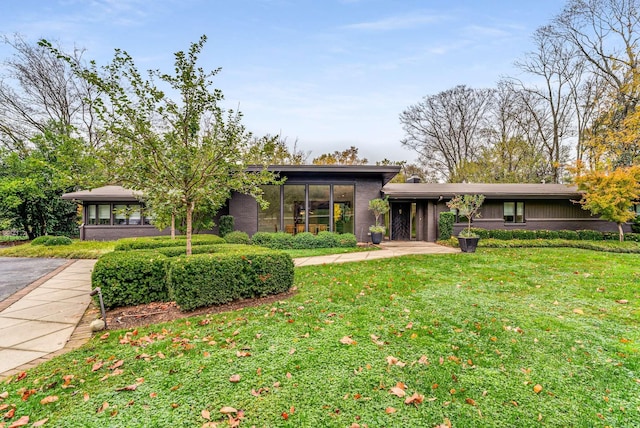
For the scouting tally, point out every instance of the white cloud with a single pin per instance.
(397, 22)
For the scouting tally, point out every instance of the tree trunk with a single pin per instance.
(620, 232)
(173, 225)
(190, 207)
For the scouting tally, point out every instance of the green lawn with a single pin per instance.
(471, 334)
(94, 249)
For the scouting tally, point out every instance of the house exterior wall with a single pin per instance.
(111, 233)
(561, 214)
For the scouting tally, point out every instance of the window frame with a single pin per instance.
(518, 212)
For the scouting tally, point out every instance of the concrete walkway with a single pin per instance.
(42, 318)
(50, 316)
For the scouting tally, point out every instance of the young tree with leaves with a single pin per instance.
(181, 155)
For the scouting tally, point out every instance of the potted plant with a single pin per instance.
(378, 207)
(467, 206)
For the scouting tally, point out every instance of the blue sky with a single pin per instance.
(329, 73)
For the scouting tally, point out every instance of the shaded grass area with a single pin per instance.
(94, 249)
(473, 334)
(77, 250)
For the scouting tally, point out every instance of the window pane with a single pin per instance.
(509, 211)
(91, 214)
(269, 219)
(119, 214)
(520, 212)
(104, 214)
(318, 208)
(343, 208)
(134, 214)
(294, 208)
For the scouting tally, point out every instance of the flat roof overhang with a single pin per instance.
(490, 191)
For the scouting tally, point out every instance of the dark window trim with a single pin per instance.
(515, 212)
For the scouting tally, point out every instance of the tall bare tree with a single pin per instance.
(38, 88)
(449, 128)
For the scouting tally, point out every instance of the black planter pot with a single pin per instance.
(376, 237)
(468, 245)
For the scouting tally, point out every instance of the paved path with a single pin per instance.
(50, 316)
(42, 321)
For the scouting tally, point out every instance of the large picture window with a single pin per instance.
(514, 212)
(117, 214)
(308, 208)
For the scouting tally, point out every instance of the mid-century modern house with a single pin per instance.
(316, 198)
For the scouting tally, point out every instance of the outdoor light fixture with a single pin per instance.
(99, 293)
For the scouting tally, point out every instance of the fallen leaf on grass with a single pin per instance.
(622, 301)
(97, 366)
(10, 414)
(49, 399)
(24, 420)
(390, 410)
(399, 392)
(578, 311)
(415, 399)
(102, 408)
(205, 414)
(117, 364)
(131, 387)
(346, 340)
(28, 393)
(537, 388)
(40, 422)
(4, 395)
(234, 378)
(228, 410)
(470, 401)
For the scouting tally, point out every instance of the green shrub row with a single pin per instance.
(214, 279)
(610, 246)
(227, 272)
(51, 240)
(131, 278)
(572, 235)
(146, 243)
(226, 224)
(305, 240)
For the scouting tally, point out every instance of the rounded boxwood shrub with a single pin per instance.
(524, 234)
(327, 239)
(131, 278)
(236, 237)
(281, 241)
(262, 239)
(347, 240)
(52, 240)
(40, 240)
(214, 279)
(305, 240)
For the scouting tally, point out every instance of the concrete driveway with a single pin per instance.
(18, 272)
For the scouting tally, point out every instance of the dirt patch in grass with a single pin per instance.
(158, 312)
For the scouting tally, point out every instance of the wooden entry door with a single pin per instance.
(400, 221)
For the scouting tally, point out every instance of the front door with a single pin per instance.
(400, 221)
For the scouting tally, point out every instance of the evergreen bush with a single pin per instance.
(131, 278)
(226, 224)
(237, 237)
(445, 225)
(214, 279)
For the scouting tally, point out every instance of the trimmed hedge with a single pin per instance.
(131, 278)
(612, 246)
(445, 225)
(146, 243)
(571, 235)
(51, 240)
(215, 279)
(236, 237)
(304, 240)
